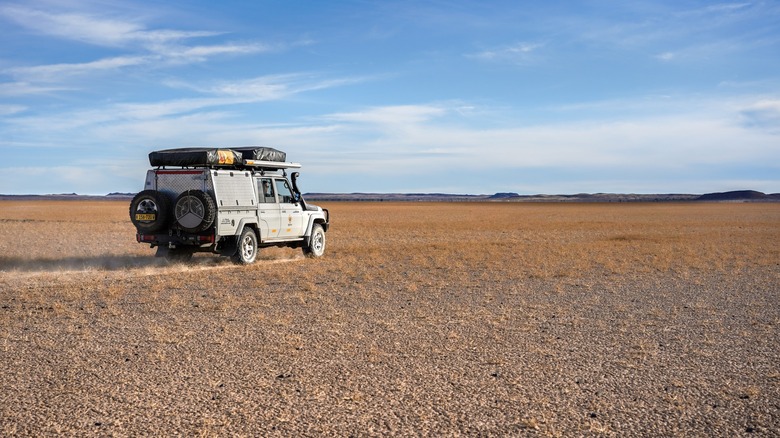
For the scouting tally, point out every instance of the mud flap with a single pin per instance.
(228, 247)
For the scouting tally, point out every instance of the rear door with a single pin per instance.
(290, 211)
(269, 215)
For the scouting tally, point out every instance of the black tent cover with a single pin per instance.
(203, 156)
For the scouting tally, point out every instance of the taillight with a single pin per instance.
(148, 238)
(206, 239)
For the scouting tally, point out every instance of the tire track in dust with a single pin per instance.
(64, 270)
(216, 264)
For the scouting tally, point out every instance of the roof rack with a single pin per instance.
(271, 164)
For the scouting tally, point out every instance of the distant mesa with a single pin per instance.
(504, 195)
(737, 195)
(120, 195)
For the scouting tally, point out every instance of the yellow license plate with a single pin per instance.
(145, 217)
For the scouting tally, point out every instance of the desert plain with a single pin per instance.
(422, 319)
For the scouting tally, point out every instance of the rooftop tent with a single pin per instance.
(261, 153)
(202, 156)
(194, 157)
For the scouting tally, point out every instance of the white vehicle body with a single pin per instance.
(183, 210)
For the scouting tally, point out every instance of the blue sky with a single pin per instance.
(397, 96)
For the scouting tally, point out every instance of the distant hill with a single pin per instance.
(733, 196)
(69, 197)
(739, 195)
(498, 197)
(742, 195)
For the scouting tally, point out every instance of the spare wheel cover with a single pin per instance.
(191, 210)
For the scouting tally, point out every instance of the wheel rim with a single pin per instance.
(248, 247)
(147, 206)
(318, 242)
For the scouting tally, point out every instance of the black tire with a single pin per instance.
(246, 247)
(315, 245)
(150, 211)
(194, 211)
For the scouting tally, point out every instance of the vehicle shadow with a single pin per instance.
(104, 263)
(120, 263)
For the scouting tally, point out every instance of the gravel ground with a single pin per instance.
(656, 355)
(379, 344)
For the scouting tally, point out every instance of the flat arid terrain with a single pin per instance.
(433, 319)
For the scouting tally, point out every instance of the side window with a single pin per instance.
(285, 194)
(265, 191)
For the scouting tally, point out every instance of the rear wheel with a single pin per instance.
(247, 247)
(149, 211)
(315, 246)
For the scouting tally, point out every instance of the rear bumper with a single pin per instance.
(174, 240)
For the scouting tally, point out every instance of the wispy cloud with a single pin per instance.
(714, 136)
(390, 115)
(219, 95)
(59, 72)
(763, 114)
(270, 87)
(688, 34)
(518, 53)
(6, 110)
(200, 53)
(144, 46)
(91, 28)
(381, 141)
(23, 88)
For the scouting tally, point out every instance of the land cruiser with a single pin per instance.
(228, 201)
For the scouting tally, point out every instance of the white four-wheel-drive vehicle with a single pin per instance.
(225, 201)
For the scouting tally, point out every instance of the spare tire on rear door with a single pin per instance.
(194, 210)
(149, 211)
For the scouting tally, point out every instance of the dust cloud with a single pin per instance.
(138, 264)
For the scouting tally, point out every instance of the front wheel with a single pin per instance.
(315, 246)
(247, 247)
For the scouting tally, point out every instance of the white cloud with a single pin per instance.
(419, 140)
(147, 46)
(391, 115)
(71, 26)
(55, 72)
(221, 95)
(272, 87)
(519, 53)
(86, 178)
(24, 88)
(763, 114)
(92, 29)
(410, 136)
(203, 52)
(7, 110)
(708, 32)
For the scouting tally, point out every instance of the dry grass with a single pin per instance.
(496, 319)
(555, 240)
(370, 239)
